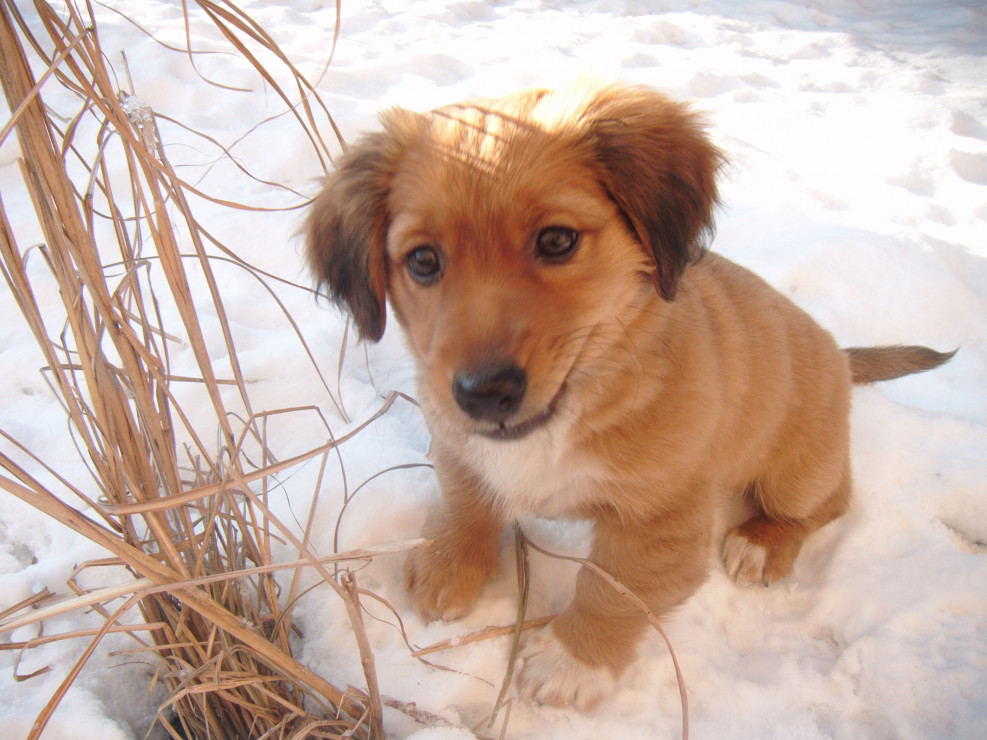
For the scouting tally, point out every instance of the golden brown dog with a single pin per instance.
(580, 356)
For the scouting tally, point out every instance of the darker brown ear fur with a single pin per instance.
(660, 169)
(345, 232)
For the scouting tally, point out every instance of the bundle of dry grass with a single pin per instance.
(187, 517)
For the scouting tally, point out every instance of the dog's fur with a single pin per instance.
(632, 379)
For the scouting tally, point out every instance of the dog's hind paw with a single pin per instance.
(744, 560)
(550, 675)
(762, 550)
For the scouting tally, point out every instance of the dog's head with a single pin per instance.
(512, 237)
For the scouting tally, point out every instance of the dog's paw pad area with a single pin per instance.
(549, 675)
(744, 560)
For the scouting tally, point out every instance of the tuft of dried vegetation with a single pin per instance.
(188, 517)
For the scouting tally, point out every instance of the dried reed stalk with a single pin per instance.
(196, 533)
(631, 597)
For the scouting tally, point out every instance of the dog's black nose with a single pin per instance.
(491, 392)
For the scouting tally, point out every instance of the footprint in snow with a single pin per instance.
(967, 125)
(971, 167)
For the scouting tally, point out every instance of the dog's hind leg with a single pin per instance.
(763, 548)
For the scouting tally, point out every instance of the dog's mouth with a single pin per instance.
(505, 431)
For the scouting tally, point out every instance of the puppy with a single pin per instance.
(579, 355)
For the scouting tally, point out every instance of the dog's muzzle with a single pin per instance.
(491, 392)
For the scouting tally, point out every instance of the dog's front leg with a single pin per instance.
(578, 657)
(445, 577)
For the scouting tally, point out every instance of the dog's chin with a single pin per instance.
(508, 432)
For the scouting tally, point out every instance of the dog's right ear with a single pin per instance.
(346, 231)
(660, 169)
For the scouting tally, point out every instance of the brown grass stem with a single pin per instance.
(638, 603)
(121, 240)
(487, 633)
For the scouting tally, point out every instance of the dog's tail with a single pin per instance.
(871, 364)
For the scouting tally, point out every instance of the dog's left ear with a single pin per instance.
(347, 224)
(345, 232)
(660, 168)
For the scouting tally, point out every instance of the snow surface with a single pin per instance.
(857, 136)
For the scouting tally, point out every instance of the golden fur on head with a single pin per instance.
(576, 357)
(633, 145)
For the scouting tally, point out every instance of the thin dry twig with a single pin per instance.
(636, 600)
(487, 633)
(376, 712)
(10, 621)
(523, 580)
(32, 601)
(46, 639)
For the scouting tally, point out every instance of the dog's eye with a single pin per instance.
(557, 243)
(424, 264)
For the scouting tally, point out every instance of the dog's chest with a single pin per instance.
(538, 475)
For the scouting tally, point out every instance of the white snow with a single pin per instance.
(857, 137)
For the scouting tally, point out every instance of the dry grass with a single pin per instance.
(188, 517)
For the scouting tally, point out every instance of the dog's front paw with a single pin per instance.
(443, 587)
(550, 675)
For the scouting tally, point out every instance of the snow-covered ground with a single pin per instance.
(857, 138)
